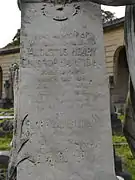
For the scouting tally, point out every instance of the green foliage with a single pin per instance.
(128, 160)
(5, 142)
(121, 117)
(6, 112)
(13, 44)
(16, 40)
(119, 139)
(126, 155)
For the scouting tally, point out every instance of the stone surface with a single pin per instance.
(105, 2)
(63, 120)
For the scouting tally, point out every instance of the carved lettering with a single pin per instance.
(62, 62)
(83, 51)
(58, 122)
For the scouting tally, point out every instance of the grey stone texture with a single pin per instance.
(63, 127)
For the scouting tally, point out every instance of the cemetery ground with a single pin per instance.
(6, 127)
(124, 152)
(119, 141)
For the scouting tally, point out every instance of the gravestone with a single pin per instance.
(63, 120)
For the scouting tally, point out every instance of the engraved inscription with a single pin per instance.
(83, 51)
(58, 121)
(59, 12)
(44, 56)
(75, 34)
(67, 62)
(57, 155)
(44, 63)
(62, 123)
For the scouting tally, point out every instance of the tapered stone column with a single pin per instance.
(63, 118)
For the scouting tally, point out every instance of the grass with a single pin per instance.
(5, 142)
(2, 120)
(126, 155)
(8, 112)
(121, 117)
(119, 139)
(124, 152)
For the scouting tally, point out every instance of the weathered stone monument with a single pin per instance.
(63, 129)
